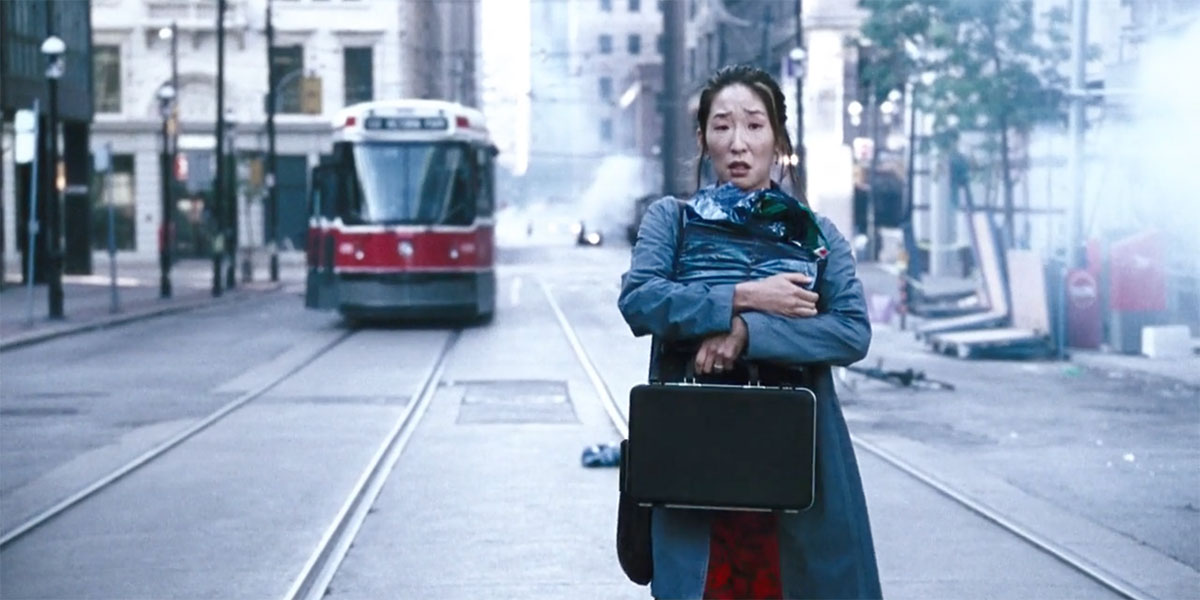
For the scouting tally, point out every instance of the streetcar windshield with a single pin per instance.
(427, 183)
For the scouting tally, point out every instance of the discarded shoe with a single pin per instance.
(601, 455)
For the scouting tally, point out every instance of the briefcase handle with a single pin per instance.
(689, 373)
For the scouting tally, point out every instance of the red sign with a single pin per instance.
(1082, 290)
(1084, 329)
(1138, 273)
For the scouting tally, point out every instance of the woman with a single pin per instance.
(688, 286)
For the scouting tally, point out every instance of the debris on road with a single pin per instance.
(601, 455)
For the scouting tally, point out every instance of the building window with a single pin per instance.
(606, 5)
(635, 43)
(635, 5)
(691, 9)
(606, 130)
(692, 62)
(106, 69)
(661, 44)
(287, 68)
(120, 192)
(605, 44)
(606, 89)
(358, 72)
(660, 5)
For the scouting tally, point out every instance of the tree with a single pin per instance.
(999, 74)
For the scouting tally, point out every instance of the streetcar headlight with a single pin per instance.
(405, 248)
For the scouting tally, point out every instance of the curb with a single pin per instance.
(63, 330)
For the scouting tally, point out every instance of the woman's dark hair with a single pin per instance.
(767, 90)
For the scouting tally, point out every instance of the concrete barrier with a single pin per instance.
(1167, 341)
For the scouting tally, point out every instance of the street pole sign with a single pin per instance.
(25, 148)
(102, 163)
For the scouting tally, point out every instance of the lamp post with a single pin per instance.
(887, 109)
(797, 56)
(229, 155)
(53, 49)
(272, 194)
(166, 101)
(170, 113)
(219, 184)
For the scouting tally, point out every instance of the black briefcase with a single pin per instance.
(726, 447)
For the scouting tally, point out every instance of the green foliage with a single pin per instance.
(997, 67)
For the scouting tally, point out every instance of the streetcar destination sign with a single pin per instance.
(406, 123)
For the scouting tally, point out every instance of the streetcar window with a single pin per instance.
(413, 183)
(486, 178)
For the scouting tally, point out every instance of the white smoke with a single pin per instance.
(1145, 173)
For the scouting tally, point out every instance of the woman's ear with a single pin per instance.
(700, 141)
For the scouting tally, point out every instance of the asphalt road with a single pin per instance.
(488, 497)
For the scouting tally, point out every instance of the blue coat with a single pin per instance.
(826, 551)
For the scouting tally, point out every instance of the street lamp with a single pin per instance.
(855, 110)
(54, 48)
(166, 102)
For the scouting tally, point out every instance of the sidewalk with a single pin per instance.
(87, 299)
(879, 280)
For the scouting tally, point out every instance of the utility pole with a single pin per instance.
(218, 209)
(470, 96)
(798, 143)
(272, 196)
(173, 155)
(672, 105)
(1076, 126)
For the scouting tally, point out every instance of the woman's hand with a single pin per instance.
(780, 294)
(718, 353)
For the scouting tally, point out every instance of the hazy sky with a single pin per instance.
(505, 74)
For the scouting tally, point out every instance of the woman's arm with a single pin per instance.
(654, 304)
(839, 334)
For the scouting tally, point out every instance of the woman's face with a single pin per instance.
(739, 138)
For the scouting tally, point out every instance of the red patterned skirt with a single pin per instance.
(743, 557)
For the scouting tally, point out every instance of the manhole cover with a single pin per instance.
(518, 401)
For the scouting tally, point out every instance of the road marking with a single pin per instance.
(514, 293)
(322, 566)
(606, 397)
(162, 448)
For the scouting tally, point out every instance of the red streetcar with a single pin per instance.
(401, 214)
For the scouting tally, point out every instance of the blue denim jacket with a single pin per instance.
(826, 551)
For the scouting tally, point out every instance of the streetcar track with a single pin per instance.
(322, 566)
(1103, 577)
(163, 447)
